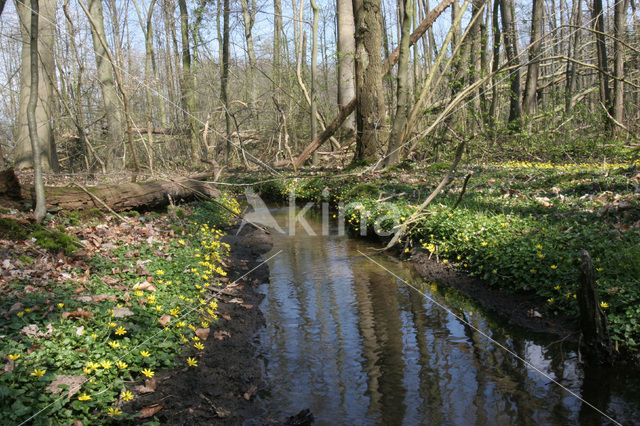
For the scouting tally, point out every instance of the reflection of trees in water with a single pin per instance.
(380, 328)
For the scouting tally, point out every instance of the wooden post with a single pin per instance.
(596, 345)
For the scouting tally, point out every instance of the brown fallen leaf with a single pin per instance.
(226, 316)
(203, 333)
(74, 383)
(145, 286)
(248, 394)
(101, 297)
(149, 411)
(165, 319)
(8, 367)
(247, 306)
(236, 300)
(220, 335)
(149, 386)
(80, 313)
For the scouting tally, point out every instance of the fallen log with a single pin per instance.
(121, 197)
(344, 112)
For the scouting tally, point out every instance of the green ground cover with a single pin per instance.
(79, 332)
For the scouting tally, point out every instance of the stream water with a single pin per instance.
(356, 345)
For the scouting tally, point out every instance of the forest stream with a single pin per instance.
(356, 345)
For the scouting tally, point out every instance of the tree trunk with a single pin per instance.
(601, 49)
(188, 96)
(277, 41)
(23, 153)
(224, 78)
(370, 112)
(314, 70)
(511, 48)
(40, 211)
(618, 84)
(249, 17)
(402, 108)
(572, 54)
(535, 51)
(112, 105)
(345, 53)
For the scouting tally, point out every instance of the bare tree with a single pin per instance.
(601, 50)
(620, 12)
(188, 95)
(535, 51)
(511, 49)
(40, 210)
(370, 109)
(249, 17)
(402, 108)
(346, 52)
(23, 154)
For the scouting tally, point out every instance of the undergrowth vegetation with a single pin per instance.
(133, 301)
(519, 226)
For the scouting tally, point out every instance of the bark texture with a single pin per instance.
(370, 111)
(23, 154)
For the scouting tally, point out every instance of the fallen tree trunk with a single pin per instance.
(351, 106)
(122, 197)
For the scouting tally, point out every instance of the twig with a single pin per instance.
(464, 189)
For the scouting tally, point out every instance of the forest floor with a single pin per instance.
(152, 318)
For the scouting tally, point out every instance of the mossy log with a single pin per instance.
(122, 197)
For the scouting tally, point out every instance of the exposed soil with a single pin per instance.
(222, 389)
(524, 310)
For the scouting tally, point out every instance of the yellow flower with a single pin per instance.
(198, 345)
(114, 411)
(92, 365)
(540, 255)
(147, 372)
(445, 261)
(192, 362)
(484, 243)
(94, 335)
(204, 324)
(38, 373)
(20, 314)
(138, 293)
(60, 305)
(14, 356)
(112, 324)
(87, 370)
(599, 269)
(550, 300)
(159, 272)
(126, 396)
(114, 345)
(145, 354)
(604, 305)
(106, 364)
(181, 242)
(539, 247)
(121, 331)
(27, 310)
(84, 397)
(121, 365)
(192, 327)
(554, 266)
(557, 287)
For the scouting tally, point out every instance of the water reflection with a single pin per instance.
(348, 341)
